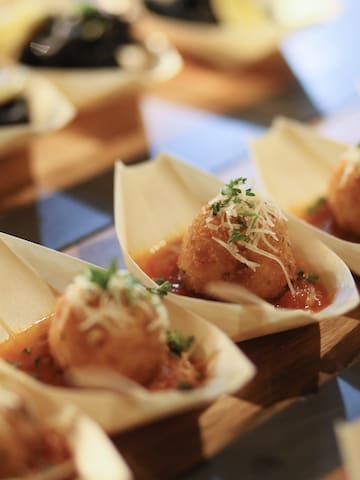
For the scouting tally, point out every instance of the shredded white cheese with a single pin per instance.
(248, 220)
(312, 297)
(113, 307)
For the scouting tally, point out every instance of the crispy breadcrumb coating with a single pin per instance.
(240, 238)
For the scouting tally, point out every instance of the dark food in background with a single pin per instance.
(192, 10)
(14, 112)
(87, 40)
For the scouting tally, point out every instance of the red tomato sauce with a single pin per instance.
(29, 351)
(307, 296)
(162, 264)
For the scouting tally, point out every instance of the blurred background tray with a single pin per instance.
(58, 192)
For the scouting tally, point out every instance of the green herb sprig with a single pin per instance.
(37, 361)
(177, 343)
(183, 385)
(310, 278)
(163, 288)
(231, 191)
(237, 236)
(15, 364)
(101, 276)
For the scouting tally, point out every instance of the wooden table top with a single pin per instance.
(290, 365)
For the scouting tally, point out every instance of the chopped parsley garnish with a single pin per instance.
(231, 191)
(37, 361)
(310, 278)
(237, 193)
(15, 364)
(102, 276)
(216, 207)
(27, 350)
(182, 385)
(241, 222)
(232, 188)
(162, 289)
(177, 343)
(237, 236)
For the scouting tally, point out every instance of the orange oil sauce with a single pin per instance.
(163, 264)
(29, 351)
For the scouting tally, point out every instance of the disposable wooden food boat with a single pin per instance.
(303, 161)
(221, 45)
(89, 86)
(157, 201)
(93, 454)
(27, 297)
(230, 43)
(49, 109)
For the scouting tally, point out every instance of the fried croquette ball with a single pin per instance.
(239, 238)
(344, 192)
(22, 447)
(116, 324)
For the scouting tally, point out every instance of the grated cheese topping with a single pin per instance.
(115, 306)
(352, 158)
(312, 297)
(249, 222)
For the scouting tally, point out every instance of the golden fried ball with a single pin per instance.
(21, 437)
(121, 327)
(203, 260)
(344, 196)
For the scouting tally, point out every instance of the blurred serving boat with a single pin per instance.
(117, 390)
(91, 54)
(229, 32)
(44, 439)
(307, 167)
(168, 205)
(29, 105)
